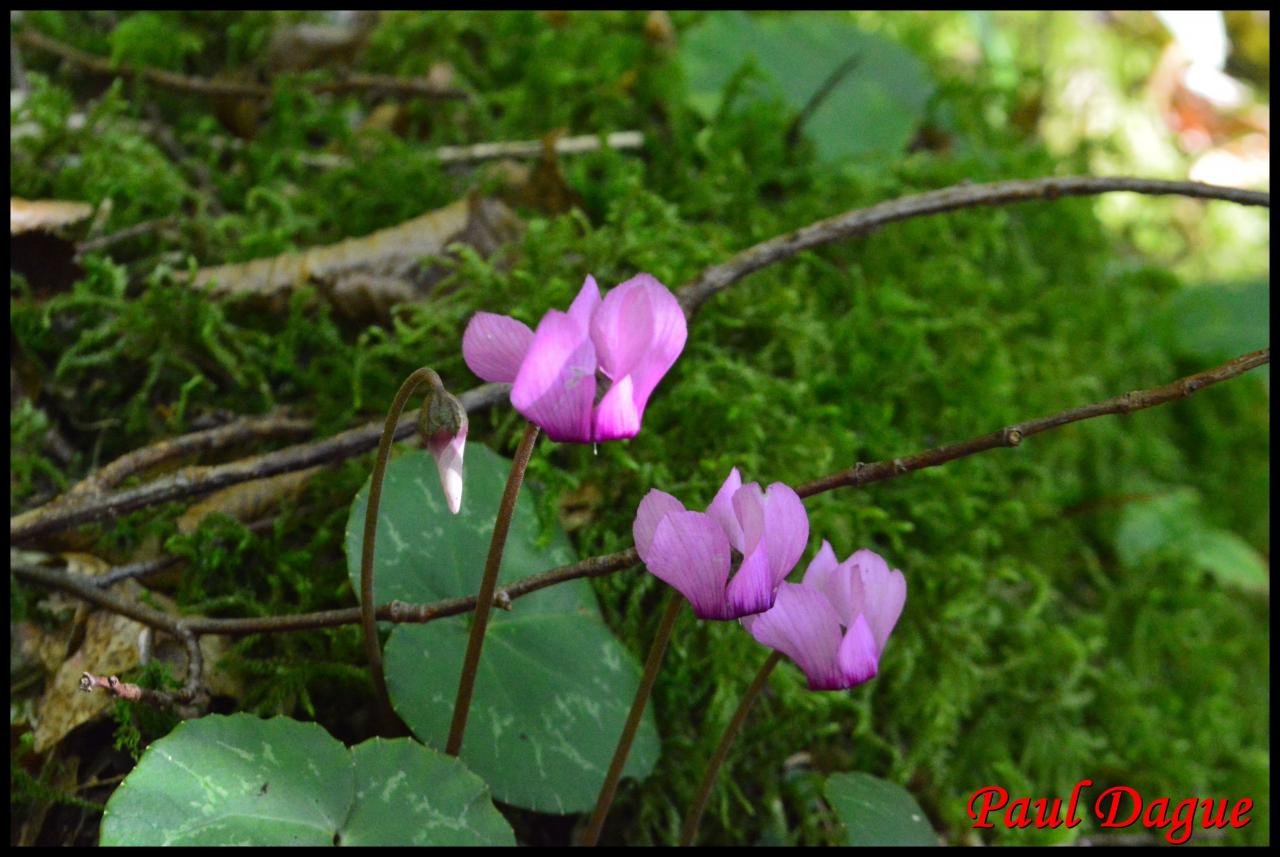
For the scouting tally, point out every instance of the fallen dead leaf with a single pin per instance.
(247, 501)
(46, 214)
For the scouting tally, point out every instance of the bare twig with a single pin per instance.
(95, 245)
(863, 220)
(598, 566)
(59, 515)
(243, 430)
(190, 691)
(534, 148)
(69, 511)
(200, 86)
(1009, 436)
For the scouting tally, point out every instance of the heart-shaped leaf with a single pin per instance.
(239, 780)
(554, 686)
(407, 794)
(874, 107)
(877, 812)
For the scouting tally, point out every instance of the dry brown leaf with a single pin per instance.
(46, 214)
(110, 647)
(368, 275)
(247, 501)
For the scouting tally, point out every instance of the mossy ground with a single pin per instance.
(1027, 655)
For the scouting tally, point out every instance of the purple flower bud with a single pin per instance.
(442, 422)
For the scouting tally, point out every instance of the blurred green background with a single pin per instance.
(1094, 604)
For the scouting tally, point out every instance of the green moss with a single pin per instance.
(1027, 656)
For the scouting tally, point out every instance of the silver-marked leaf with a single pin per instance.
(551, 696)
(234, 780)
(872, 109)
(239, 780)
(407, 794)
(877, 812)
(424, 553)
(554, 686)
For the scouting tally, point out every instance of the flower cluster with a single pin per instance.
(834, 624)
(585, 376)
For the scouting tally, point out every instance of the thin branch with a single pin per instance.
(412, 87)
(620, 140)
(243, 430)
(863, 220)
(95, 245)
(190, 482)
(58, 515)
(598, 566)
(382, 84)
(190, 692)
(1010, 436)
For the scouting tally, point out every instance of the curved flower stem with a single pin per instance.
(651, 665)
(367, 605)
(694, 817)
(484, 600)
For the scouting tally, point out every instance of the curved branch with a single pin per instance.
(860, 221)
(67, 511)
(598, 566)
(59, 515)
(1010, 436)
(239, 431)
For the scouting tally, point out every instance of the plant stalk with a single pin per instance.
(659, 648)
(484, 601)
(694, 818)
(367, 604)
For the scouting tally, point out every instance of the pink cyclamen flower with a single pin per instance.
(695, 552)
(835, 623)
(630, 339)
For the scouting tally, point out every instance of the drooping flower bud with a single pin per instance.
(442, 423)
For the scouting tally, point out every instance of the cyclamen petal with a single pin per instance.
(721, 509)
(752, 588)
(556, 385)
(448, 451)
(690, 552)
(836, 581)
(884, 593)
(802, 625)
(787, 526)
(858, 656)
(748, 508)
(864, 600)
(639, 331)
(586, 303)
(494, 346)
(655, 506)
(616, 416)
